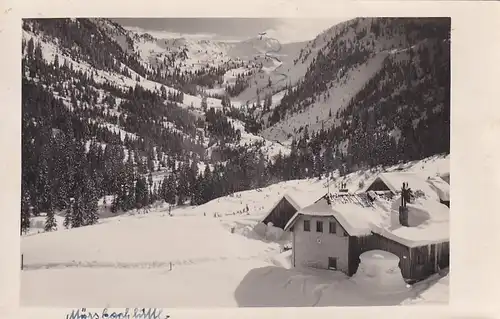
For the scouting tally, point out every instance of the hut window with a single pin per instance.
(333, 228)
(307, 225)
(319, 226)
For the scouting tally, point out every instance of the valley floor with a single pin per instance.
(227, 270)
(193, 259)
(229, 283)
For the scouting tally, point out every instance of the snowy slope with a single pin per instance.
(293, 60)
(182, 53)
(353, 36)
(277, 66)
(317, 115)
(50, 49)
(216, 261)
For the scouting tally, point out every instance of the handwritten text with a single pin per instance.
(136, 313)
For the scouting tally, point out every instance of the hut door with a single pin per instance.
(332, 263)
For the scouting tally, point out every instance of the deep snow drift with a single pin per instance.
(379, 272)
(204, 256)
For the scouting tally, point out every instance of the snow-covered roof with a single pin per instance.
(359, 218)
(435, 229)
(297, 199)
(435, 187)
(355, 218)
(305, 198)
(441, 187)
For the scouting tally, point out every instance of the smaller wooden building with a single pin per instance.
(288, 206)
(282, 212)
(433, 186)
(417, 261)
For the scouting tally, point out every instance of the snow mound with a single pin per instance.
(260, 229)
(270, 233)
(273, 233)
(283, 260)
(379, 272)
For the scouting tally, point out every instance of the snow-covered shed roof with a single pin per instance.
(303, 198)
(297, 199)
(360, 218)
(434, 187)
(441, 187)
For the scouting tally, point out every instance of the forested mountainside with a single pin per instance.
(106, 118)
(93, 125)
(376, 93)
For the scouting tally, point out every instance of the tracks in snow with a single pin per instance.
(144, 264)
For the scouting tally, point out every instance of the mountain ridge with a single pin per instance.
(205, 122)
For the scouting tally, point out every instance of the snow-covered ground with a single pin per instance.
(204, 256)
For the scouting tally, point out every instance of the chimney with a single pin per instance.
(403, 210)
(403, 216)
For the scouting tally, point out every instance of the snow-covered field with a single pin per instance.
(204, 256)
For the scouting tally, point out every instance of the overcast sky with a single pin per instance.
(230, 29)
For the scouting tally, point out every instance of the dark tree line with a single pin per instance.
(239, 86)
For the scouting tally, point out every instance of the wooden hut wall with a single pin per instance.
(427, 260)
(281, 214)
(378, 185)
(359, 245)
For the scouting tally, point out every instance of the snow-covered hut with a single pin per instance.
(434, 187)
(333, 232)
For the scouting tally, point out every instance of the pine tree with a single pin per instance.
(207, 186)
(141, 193)
(50, 222)
(90, 202)
(25, 212)
(78, 218)
(204, 104)
(44, 188)
(69, 214)
(56, 61)
(115, 204)
(30, 49)
(170, 187)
